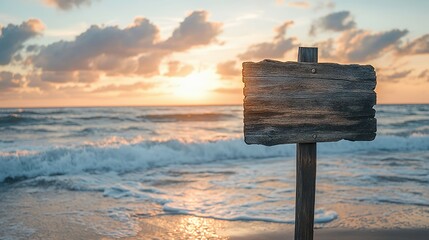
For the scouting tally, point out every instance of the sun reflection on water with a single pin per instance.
(191, 227)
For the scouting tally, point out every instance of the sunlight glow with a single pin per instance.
(195, 86)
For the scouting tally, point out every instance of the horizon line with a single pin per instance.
(171, 105)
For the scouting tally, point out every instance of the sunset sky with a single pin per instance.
(133, 52)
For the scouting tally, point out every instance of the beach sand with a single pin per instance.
(190, 227)
(59, 214)
(325, 234)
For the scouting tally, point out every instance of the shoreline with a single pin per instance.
(28, 213)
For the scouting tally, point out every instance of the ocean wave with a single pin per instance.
(40, 111)
(410, 123)
(22, 120)
(186, 117)
(15, 119)
(397, 198)
(123, 158)
(89, 131)
(127, 156)
(102, 117)
(27, 130)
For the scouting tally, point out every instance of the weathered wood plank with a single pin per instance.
(265, 85)
(321, 96)
(327, 108)
(269, 68)
(309, 125)
(335, 103)
(290, 103)
(309, 119)
(271, 140)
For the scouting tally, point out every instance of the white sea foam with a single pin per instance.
(129, 157)
(320, 215)
(125, 157)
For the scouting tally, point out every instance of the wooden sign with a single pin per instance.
(306, 102)
(303, 102)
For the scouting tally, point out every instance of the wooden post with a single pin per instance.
(305, 173)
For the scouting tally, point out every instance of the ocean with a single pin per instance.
(140, 162)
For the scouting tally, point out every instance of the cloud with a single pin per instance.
(195, 30)
(418, 46)
(424, 74)
(356, 45)
(70, 76)
(337, 22)
(82, 53)
(34, 81)
(32, 48)
(299, 4)
(176, 69)
(134, 50)
(235, 91)
(148, 65)
(88, 76)
(13, 37)
(353, 44)
(363, 45)
(58, 76)
(281, 30)
(327, 48)
(113, 66)
(10, 81)
(124, 87)
(67, 4)
(228, 69)
(393, 75)
(277, 48)
(327, 4)
(398, 75)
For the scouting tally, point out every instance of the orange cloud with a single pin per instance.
(357, 45)
(135, 50)
(176, 69)
(124, 87)
(228, 69)
(417, 46)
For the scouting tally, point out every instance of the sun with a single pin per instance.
(195, 86)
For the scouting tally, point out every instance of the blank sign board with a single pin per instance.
(299, 102)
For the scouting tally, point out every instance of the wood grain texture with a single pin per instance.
(306, 163)
(307, 54)
(294, 102)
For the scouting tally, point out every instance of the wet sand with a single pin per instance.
(341, 234)
(58, 214)
(190, 227)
